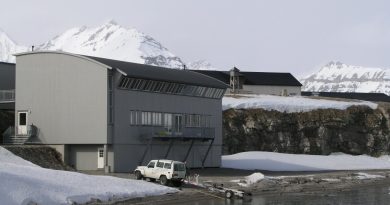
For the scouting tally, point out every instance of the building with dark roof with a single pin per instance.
(257, 82)
(102, 113)
(7, 93)
(376, 97)
(7, 86)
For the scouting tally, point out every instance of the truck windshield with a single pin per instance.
(179, 167)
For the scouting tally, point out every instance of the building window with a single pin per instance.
(110, 97)
(22, 118)
(219, 93)
(137, 84)
(158, 87)
(178, 123)
(168, 122)
(134, 117)
(192, 120)
(168, 87)
(179, 89)
(157, 121)
(123, 83)
(200, 91)
(189, 90)
(150, 85)
(196, 120)
(146, 118)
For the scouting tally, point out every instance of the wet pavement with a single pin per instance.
(378, 195)
(285, 188)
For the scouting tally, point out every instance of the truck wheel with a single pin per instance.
(177, 183)
(138, 175)
(163, 180)
(229, 194)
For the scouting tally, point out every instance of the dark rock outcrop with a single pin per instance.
(7, 119)
(43, 156)
(356, 130)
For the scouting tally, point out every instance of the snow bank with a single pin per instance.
(362, 175)
(254, 178)
(249, 180)
(288, 104)
(300, 162)
(23, 182)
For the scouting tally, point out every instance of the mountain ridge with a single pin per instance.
(336, 76)
(8, 47)
(108, 40)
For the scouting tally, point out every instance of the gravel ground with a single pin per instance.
(275, 183)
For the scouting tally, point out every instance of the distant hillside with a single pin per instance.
(340, 77)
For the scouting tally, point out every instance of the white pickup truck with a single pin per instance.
(167, 171)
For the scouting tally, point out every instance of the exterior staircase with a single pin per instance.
(9, 136)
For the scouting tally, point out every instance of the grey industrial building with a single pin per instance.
(375, 97)
(267, 83)
(114, 115)
(7, 97)
(7, 86)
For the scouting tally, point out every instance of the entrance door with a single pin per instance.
(22, 123)
(100, 158)
(178, 124)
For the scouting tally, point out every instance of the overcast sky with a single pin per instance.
(286, 36)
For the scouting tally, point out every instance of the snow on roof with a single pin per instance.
(287, 104)
(23, 182)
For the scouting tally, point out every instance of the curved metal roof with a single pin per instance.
(147, 71)
(63, 53)
(163, 74)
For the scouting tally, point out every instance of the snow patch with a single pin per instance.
(249, 180)
(258, 160)
(288, 104)
(201, 65)
(254, 178)
(362, 175)
(332, 180)
(8, 47)
(23, 182)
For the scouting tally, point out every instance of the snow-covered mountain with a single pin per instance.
(339, 77)
(8, 47)
(109, 40)
(201, 65)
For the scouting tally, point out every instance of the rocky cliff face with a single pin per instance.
(356, 130)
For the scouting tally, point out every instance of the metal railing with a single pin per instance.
(185, 132)
(7, 96)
